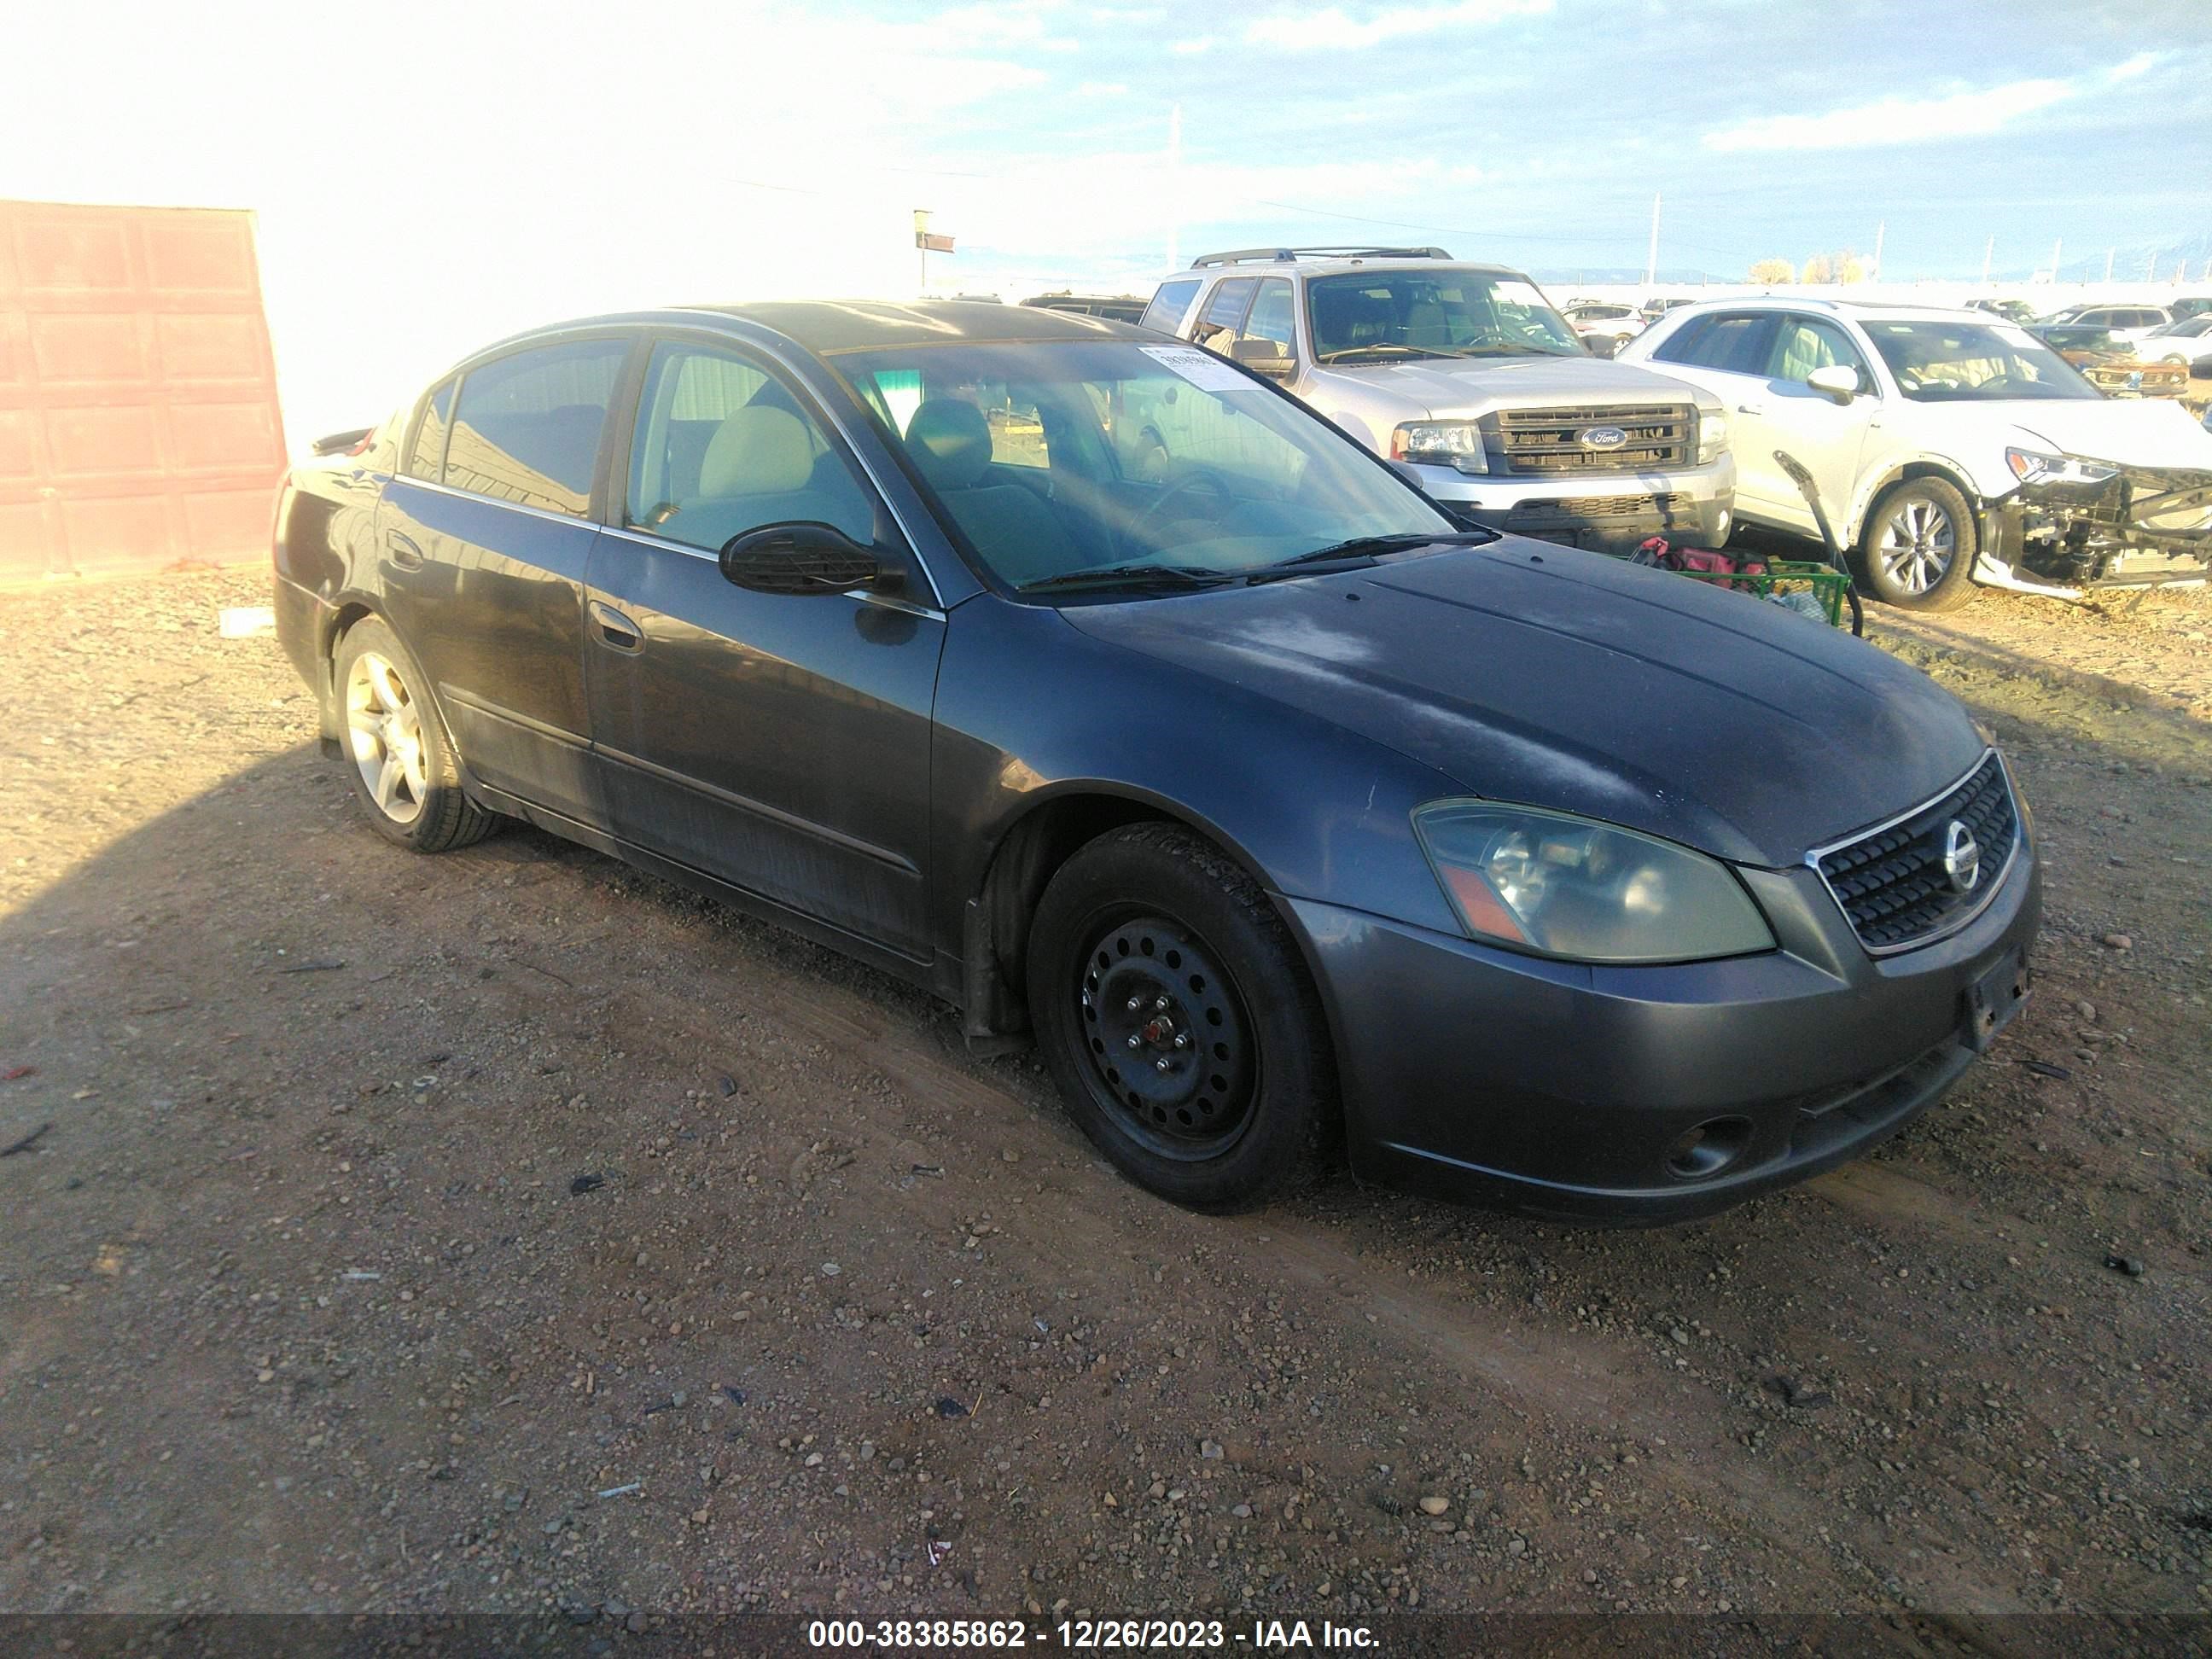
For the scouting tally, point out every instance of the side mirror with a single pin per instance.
(2201, 370)
(1836, 380)
(802, 558)
(1263, 357)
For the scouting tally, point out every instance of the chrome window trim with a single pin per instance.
(583, 518)
(1964, 919)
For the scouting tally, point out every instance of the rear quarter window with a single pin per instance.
(1170, 305)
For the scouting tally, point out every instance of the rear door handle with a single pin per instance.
(615, 629)
(404, 553)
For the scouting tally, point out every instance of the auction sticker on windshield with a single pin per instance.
(1202, 368)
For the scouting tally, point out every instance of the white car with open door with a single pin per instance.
(1948, 448)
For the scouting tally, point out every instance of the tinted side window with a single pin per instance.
(1224, 311)
(722, 447)
(1677, 347)
(1169, 306)
(527, 427)
(428, 458)
(1736, 344)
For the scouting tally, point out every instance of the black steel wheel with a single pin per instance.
(1179, 1020)
(1170, 1043)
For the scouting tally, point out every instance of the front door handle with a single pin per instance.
(615, 629)
(1751, 409)
(404, 553)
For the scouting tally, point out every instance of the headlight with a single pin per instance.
(2033, 466)
(1712, 435)
(1566, 887)
(1440, 443)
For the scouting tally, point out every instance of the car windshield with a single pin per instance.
(1116, 463)
(1973, 362)
(1384, 315)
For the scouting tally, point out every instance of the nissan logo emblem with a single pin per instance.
(1602, 437)
(1962, 857)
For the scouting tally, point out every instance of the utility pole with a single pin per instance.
(921, 246)
(2151, 276)
(1651, 258)
(2057, 247)
(2109, 252)
(1988, 250)
(1880, 231)
(1174, 184)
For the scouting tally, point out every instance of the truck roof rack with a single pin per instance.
(1239, 256)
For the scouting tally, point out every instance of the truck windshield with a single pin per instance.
(1130, 463)
(1380, 315)
(1974, 363)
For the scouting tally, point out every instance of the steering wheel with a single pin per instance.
(1192, 480)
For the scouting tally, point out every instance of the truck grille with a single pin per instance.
(1893, 884)
(1550, 440)
(1546, 508)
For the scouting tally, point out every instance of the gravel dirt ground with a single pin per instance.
(509, 1231)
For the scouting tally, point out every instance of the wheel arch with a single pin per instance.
(1046, 830)
(344, 616)
(1922, 466)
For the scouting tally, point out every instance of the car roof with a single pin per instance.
(1864, 310)
(1339, 267)
(833, 325)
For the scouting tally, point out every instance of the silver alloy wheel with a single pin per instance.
(384, 727)
(1917, 543)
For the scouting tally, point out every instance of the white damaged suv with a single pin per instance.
(1465, 373)
(1948, 446)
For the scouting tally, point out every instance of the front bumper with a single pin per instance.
(1560, 1089)
(2143, 527)
(1611, 512)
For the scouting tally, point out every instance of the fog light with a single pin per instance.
(1705, 1151)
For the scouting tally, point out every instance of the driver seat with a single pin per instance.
(1015, 530)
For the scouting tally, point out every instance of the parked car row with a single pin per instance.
(1948, 446)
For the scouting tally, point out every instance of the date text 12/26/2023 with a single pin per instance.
(1086, 1635)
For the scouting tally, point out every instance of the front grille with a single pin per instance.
(1549, 440)
(1596, 507)
(1893, 884)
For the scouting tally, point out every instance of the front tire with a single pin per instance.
(1179, 1022)
(1918, 548)
(400, 764)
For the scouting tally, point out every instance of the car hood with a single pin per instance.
(1469, 386)
(1550, 676)
(2133, 431)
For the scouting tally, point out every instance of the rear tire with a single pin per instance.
(1917, 547)
(399, 758)
(1179, 1022)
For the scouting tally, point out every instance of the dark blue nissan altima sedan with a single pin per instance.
(1090, 682)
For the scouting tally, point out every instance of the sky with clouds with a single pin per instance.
(431, 172)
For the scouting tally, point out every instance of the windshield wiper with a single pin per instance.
(1384, 345)
(1131, 575)
(1367, 547)
(1510, 348)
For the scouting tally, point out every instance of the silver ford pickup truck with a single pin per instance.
(1465, 372)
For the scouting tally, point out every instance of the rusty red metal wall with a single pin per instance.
(138, 417)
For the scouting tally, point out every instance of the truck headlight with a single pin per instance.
(1439, 443)
(1562, 886)
(2034, 467)
(1712, 435)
